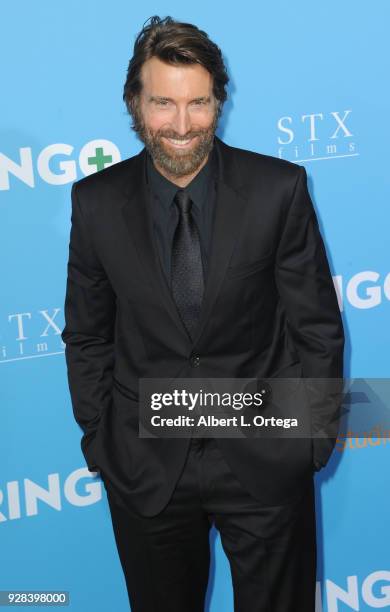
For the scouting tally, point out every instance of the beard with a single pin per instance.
(175, 163)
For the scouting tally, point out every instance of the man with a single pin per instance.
(197, 259)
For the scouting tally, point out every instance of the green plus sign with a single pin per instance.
(100, 160)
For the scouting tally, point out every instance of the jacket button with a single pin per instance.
(195, 361)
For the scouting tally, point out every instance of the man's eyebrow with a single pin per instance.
(163, 98)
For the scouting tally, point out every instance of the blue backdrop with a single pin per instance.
(309, 82)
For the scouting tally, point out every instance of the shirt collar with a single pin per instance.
(197, 189)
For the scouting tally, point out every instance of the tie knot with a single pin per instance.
(183, 201)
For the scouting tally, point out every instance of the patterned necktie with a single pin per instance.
(186, 265)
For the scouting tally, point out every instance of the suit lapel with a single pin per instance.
(230, 206)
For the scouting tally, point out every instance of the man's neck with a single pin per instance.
(181, 181)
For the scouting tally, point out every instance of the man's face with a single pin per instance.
(176, 115)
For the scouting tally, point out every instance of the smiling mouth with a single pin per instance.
(180, 144)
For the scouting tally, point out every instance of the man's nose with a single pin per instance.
(182, 122)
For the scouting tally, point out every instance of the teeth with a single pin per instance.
(178, 142)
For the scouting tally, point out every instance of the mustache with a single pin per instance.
(181, 138)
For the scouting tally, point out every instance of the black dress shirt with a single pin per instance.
(165, 214)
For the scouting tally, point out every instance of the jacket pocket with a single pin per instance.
(244, 269)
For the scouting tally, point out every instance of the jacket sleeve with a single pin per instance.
(314, 321)
(88, 332)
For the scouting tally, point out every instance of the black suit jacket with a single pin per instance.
(269, 310)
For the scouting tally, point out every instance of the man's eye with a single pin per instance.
(162, 102)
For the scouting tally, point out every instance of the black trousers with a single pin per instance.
(271, 550)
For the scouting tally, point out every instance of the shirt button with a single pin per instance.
(195, 361)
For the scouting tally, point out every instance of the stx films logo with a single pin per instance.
(32, 334)
(57, 164)
(316, 136)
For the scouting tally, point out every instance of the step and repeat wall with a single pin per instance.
(308, 84)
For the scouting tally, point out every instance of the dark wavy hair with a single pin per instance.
(174, 42)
